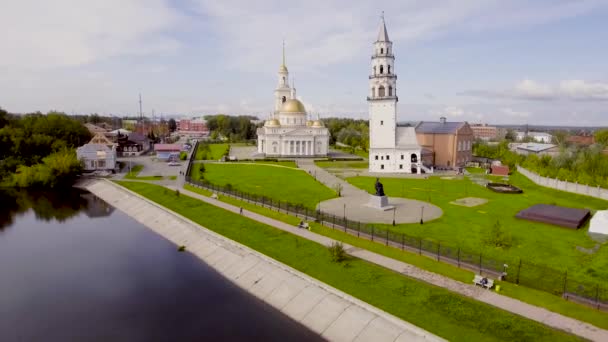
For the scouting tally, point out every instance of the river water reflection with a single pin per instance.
(74, 268)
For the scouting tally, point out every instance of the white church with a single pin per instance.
(392, 149)
(290, 132)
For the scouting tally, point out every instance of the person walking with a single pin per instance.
(241, 210)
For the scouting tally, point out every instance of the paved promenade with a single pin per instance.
(325, 310)
(532, 312)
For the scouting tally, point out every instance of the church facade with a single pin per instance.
(392, 149)
(290, 132)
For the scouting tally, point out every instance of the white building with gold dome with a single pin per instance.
(289, 132)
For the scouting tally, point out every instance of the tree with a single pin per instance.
(601, 137)
(511, 135)
(172, 125)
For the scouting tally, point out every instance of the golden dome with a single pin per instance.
(272, 123)
(318, 123)
(293, 106)
(282, 68)
(309, 123)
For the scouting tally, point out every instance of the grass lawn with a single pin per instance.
(528, 295)
(434, 309)
(210, 151)
(342, 164)
(475, 170)
(286, 163)
(466, 227)
(279, 183)
(135, 170)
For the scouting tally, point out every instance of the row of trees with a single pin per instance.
(38, 149)
(351, 132)
(233, 128)
(585, 165)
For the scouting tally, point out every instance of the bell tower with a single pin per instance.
(282, 93)
(382, 98)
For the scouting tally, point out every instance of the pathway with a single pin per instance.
(529, 311)
(353, 201)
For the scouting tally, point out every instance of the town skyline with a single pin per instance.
(515, 63)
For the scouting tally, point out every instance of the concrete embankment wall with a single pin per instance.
(331, 313)
(557, 184)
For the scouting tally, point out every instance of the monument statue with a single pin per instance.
(379, 188)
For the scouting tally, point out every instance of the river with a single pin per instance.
(73, 268)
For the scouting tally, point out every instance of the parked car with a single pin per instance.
(173, 163)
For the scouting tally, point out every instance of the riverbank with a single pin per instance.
(331, 313)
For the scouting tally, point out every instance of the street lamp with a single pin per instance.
(394, 209)
(421, 214)
(344, 213)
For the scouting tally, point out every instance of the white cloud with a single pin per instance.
(64, 33)
(323, 33)
(514, 113)
(575, 90)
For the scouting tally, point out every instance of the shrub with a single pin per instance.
(497, 237)
(177, 192)
(337, 252)
(201, 168)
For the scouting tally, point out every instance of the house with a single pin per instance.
(485, 132)
(537, 148)
(166, 152)
(94, 129)
(193, 127)
(445, 144)
(540, 137)
(499, 170)
(581, 140)
(97, 157)
(131, 144)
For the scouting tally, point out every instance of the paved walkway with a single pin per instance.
(353, 202)
(532, 312)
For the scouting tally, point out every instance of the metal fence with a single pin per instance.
(527, 274)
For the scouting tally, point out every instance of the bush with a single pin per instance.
(337, 252)
(201, 168)
(183, 155)
(177, 192)
(497, 237)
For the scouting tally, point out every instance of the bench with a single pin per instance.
(303, 225)
(477, 281)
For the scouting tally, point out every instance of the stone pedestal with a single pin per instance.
(379, 202)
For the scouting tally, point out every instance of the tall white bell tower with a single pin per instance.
(382, 97)
(282, 93)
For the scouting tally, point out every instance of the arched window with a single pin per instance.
(283, 80)
(381, 91)
(283, 99)
(373, 92)
(389, 69)
(381, 50)
(414, 158)
(390, 91)
(381, 69)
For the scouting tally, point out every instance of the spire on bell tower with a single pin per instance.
(282, 93)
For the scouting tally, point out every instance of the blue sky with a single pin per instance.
(536, 62)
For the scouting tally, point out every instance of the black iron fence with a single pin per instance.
(527, 274)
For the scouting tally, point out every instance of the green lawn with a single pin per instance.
(475, 170)
(437, 310)
(287, 163)
(466, 227)
(528, 295)
(342, 164)
(210, 151)
(135, 170)
(279, 183)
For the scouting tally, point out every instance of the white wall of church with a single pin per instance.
(383, 123)
(391, 161)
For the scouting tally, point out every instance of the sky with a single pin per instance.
(481, 61)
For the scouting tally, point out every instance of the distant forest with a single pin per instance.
(39, 150)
